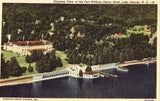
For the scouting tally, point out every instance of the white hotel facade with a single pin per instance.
(26, 47)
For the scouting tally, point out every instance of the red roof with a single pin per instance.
(91, 72)
(120, 34)
(30, 43)
(8, 43)
(117, 35)
(148, 31)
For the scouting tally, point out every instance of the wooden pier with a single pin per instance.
(136, 62)
(108, 74)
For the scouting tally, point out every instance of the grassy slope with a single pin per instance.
(63, 56)
(22, 62)
(20, 59)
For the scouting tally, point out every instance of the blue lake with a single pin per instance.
(139, 82)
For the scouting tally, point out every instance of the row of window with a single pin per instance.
(31, 47)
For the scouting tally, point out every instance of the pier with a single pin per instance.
(66, 73)
(73, 71)
(108, 74)
(51, 75)
(136, 62)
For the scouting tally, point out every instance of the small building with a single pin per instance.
(91, 74)
(26, 47)
(117, 35)
(75, 70)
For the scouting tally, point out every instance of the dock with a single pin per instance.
(136, 62)
(108, 74)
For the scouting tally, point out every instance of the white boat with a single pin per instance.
(122, 69)
(102, 75)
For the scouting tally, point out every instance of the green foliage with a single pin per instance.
(48, 63)
(88, 69)
(28, 59)
(80, 73)
(30, 68)
(121, 57)
(21, 61)
(131, 48)
(96, 29)
(35, 56)
(4, 68)
(95, 60)
(15, 69)
(24, 69)
(58, 62)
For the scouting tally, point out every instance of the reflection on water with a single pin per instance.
(139, 82)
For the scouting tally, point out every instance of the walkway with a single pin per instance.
(50, 75)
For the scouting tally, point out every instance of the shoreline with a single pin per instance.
(29, 78)
(16, 80)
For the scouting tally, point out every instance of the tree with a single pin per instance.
(78, 59)
(89, 61)
(84, 59)
(58, 62)
(28, 59)
(80, 73)
(121, 57)
(110, 55)
(48, 63)
(88, 69)
(4, 39)
(100, 58)
(4, 68)
(15, 69)
(30, 68)
(24, 69)
(39, 66)
(95, 60)
(105, 55)
(34, 56)
(116, 55)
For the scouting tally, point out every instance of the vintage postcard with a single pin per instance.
(81, 49)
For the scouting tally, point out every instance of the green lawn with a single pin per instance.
(124, 36)
(20, 59)
(22, 62)
(63, 56)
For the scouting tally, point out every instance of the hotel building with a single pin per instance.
(26, 47)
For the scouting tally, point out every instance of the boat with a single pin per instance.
(102, 75)
(122, 69)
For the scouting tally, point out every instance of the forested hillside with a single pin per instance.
(84, 32)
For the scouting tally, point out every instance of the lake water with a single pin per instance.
(139, 82)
